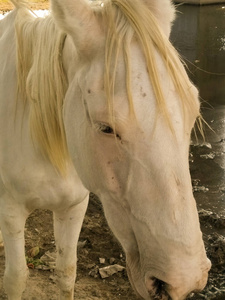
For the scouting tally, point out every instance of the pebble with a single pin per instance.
(110, 270)
(200, 189)
(208, 156)
(102, 260)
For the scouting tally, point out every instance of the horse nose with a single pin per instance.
(157, 288)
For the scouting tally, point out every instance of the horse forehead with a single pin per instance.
(139, 85)
(139, 78)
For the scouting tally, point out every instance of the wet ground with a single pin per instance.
(199, 35)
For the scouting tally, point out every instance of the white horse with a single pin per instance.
(95, 98)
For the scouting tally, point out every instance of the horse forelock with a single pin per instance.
(132, 18)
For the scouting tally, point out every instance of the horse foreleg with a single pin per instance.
(12, 222)
(67, 226)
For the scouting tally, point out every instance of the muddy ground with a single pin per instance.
(96, 240)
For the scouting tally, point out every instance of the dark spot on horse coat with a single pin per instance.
(60, 251)
(143, 94)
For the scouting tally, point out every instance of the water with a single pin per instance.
(199, 35)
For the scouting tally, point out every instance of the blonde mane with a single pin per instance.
(40, 46)
(42, 82)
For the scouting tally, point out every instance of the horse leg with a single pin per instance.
(12, 223)
(67, 226)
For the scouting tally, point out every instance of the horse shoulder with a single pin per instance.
(37, 184)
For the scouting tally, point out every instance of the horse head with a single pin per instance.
(128, 115)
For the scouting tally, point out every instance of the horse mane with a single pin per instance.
(42, 80)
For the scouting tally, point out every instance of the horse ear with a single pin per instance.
(76, 18)
(164, 11)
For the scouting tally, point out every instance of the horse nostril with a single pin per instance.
(158, 285)
(157, 289)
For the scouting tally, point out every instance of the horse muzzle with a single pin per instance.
(157, 289)
(160, 290)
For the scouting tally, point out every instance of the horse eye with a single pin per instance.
(106, 129)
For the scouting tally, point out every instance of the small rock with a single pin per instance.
(90, 266)
(101, 260)
(112, 260)
(200, 189)
(94, 272)
(81, 245)
(207, 145)
(204, 213)
(195, 182)
(208, 156)
(110, 270)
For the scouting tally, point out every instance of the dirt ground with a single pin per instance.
(96, 240)
(98, 243)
